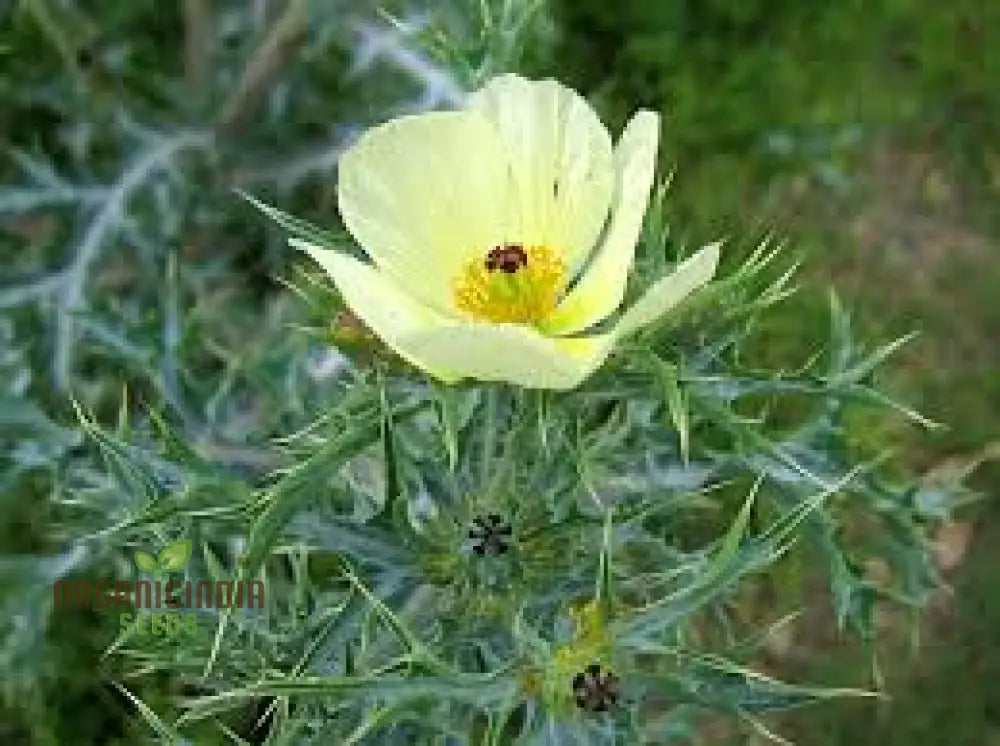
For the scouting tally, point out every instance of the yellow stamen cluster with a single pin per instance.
(526, 295)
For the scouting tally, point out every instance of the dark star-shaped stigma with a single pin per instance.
(508, 257)
(595, 691)
(490, 535)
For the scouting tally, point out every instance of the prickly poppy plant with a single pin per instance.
(524, 477)
(500, 560)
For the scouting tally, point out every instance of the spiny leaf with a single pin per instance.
(727, 565)
(863, 368)
(292, 490)
(296, 226)
(155, 723)
(391, 689)
(719, 683)
(604, 574)
(677, 405)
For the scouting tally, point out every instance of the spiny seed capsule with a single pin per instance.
(595, 691)
(490, 535)
(508, 257)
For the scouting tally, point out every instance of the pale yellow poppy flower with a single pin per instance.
(501, 232)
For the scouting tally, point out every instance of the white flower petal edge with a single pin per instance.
(561, 159)
(449, 349)
(423, 194)
(600, 290)
(669, 291)
(511, 353)
(375, 298)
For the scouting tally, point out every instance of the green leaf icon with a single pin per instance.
(175, 555)
(146, 563)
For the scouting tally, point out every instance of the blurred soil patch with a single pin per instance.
(906, 251)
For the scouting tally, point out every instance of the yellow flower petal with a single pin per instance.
(669, 291)
(451, 350)
(522, 355)
(508, 352)
(601, 288)
(527, 164)
(423, 194)
(561, 162)
(374, 297)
